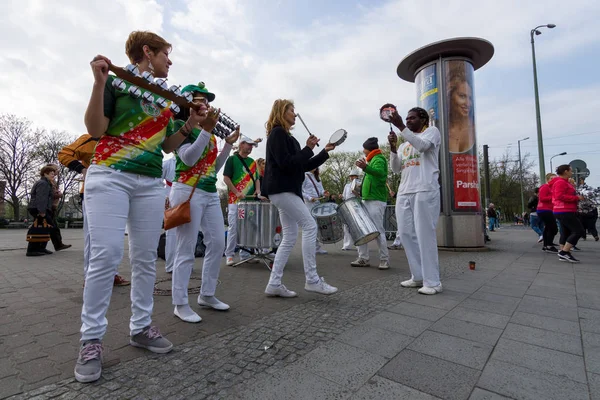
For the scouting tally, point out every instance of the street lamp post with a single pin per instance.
(533, 32)
(521, 176)
(556, 155)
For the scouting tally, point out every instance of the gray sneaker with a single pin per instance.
(279, 291)
(151, 339)
(89, 363)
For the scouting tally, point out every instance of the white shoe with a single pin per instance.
(384, 264)
(431, 290)
(360, 262)
(541, 239)
(212, 302)
(411, 284)
(230, 261)
(185, 313)
(321, 251)
(320, 287)
(279, 291)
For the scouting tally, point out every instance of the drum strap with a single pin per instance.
(314, 184)
(246, 168)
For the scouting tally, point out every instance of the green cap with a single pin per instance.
(200, 88)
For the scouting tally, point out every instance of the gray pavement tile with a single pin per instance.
(540, 359)
(291, 383)
(375, 340)
(548, 323)
(594, 383)
(589, 300)
(548, 307)
(591, 351)
(495, 298)
(458, 285)
(446, 300)
(482, 305)
(10, 386)
(544, 338)
(7, 367)
(480, 394)
(418, 311)
(513, 292)
(343, 364)
(559, 270)
(399, 323)
(432, 375)
(589, 319)
(526, 384)
(378, 388)
(37, 370)
(479, 317)
(467, 330)
(565, 301)
(451, 348)
(553, 293)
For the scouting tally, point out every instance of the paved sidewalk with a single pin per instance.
(522, 325)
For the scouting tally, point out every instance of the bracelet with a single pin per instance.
(185, 130)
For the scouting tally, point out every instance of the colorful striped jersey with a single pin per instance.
(235, 170)
(133, 141)
(204, 170)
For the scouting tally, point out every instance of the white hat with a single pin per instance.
(354, 172)
(246, 139)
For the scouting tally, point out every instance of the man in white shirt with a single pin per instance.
(418, 201)
(168, 174)
(312, 192)
(347, 194)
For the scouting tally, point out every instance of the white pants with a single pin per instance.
(205, 210)
(232, 214)
(417, 215)
(86, 241)
(348, 242)
(170, 243)
(376, 210)
(293, 214)
(115, 199)
(397, 239)
(309, 206)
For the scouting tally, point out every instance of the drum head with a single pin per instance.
(386, 113)
(324, 210)
(338, 137)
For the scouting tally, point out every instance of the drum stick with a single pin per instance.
(306, 127)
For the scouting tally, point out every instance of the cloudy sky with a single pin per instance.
(336, 59)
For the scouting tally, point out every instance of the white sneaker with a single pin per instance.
(541, 239)
(321, 251)
(279, 291)
(360, 262)
(212, 302)
(185, 313)
(320, 287)
(384, 264)
(411, 284)
(230, 261)
(431, 290)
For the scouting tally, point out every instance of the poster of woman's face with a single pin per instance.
(459, 98)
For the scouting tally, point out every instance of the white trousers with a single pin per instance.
(376, 210)
(115, 199)
(348, 242)
(170, 244)
(232, 214)
(417, 215)
(294, 214)
(310, 206)
(205, 210)
(86, 241)
(397, 239)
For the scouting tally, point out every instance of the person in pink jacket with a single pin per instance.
(546, 215)
(564, 202)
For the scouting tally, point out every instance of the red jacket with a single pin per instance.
(545, 196)
(564, 197)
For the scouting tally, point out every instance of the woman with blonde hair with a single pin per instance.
(124, 187)
(286, 164)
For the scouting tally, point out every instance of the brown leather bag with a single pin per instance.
(180, 214)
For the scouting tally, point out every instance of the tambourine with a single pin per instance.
(385, 112)
(338, 137)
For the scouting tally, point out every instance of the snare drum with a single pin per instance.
(258, 225)
(360, 225)
(329, 224)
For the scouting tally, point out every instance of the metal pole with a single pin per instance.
(538, 117)
(486, 176)
(521, 180)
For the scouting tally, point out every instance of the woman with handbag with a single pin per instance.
(124, 187)
(284, 174)
(198, 162)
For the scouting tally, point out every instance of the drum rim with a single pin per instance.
(341, 139)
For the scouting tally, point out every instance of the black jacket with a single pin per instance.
(491, 213)
(286, 163)
(533, 203)
(41, 196)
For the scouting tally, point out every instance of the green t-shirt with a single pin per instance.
(205, 167)
(136, 131)
(235, 170)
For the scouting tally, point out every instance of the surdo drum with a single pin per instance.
(360, 225)
(329, 224)
(258, 225)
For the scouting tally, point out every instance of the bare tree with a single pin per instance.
(18, 144)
